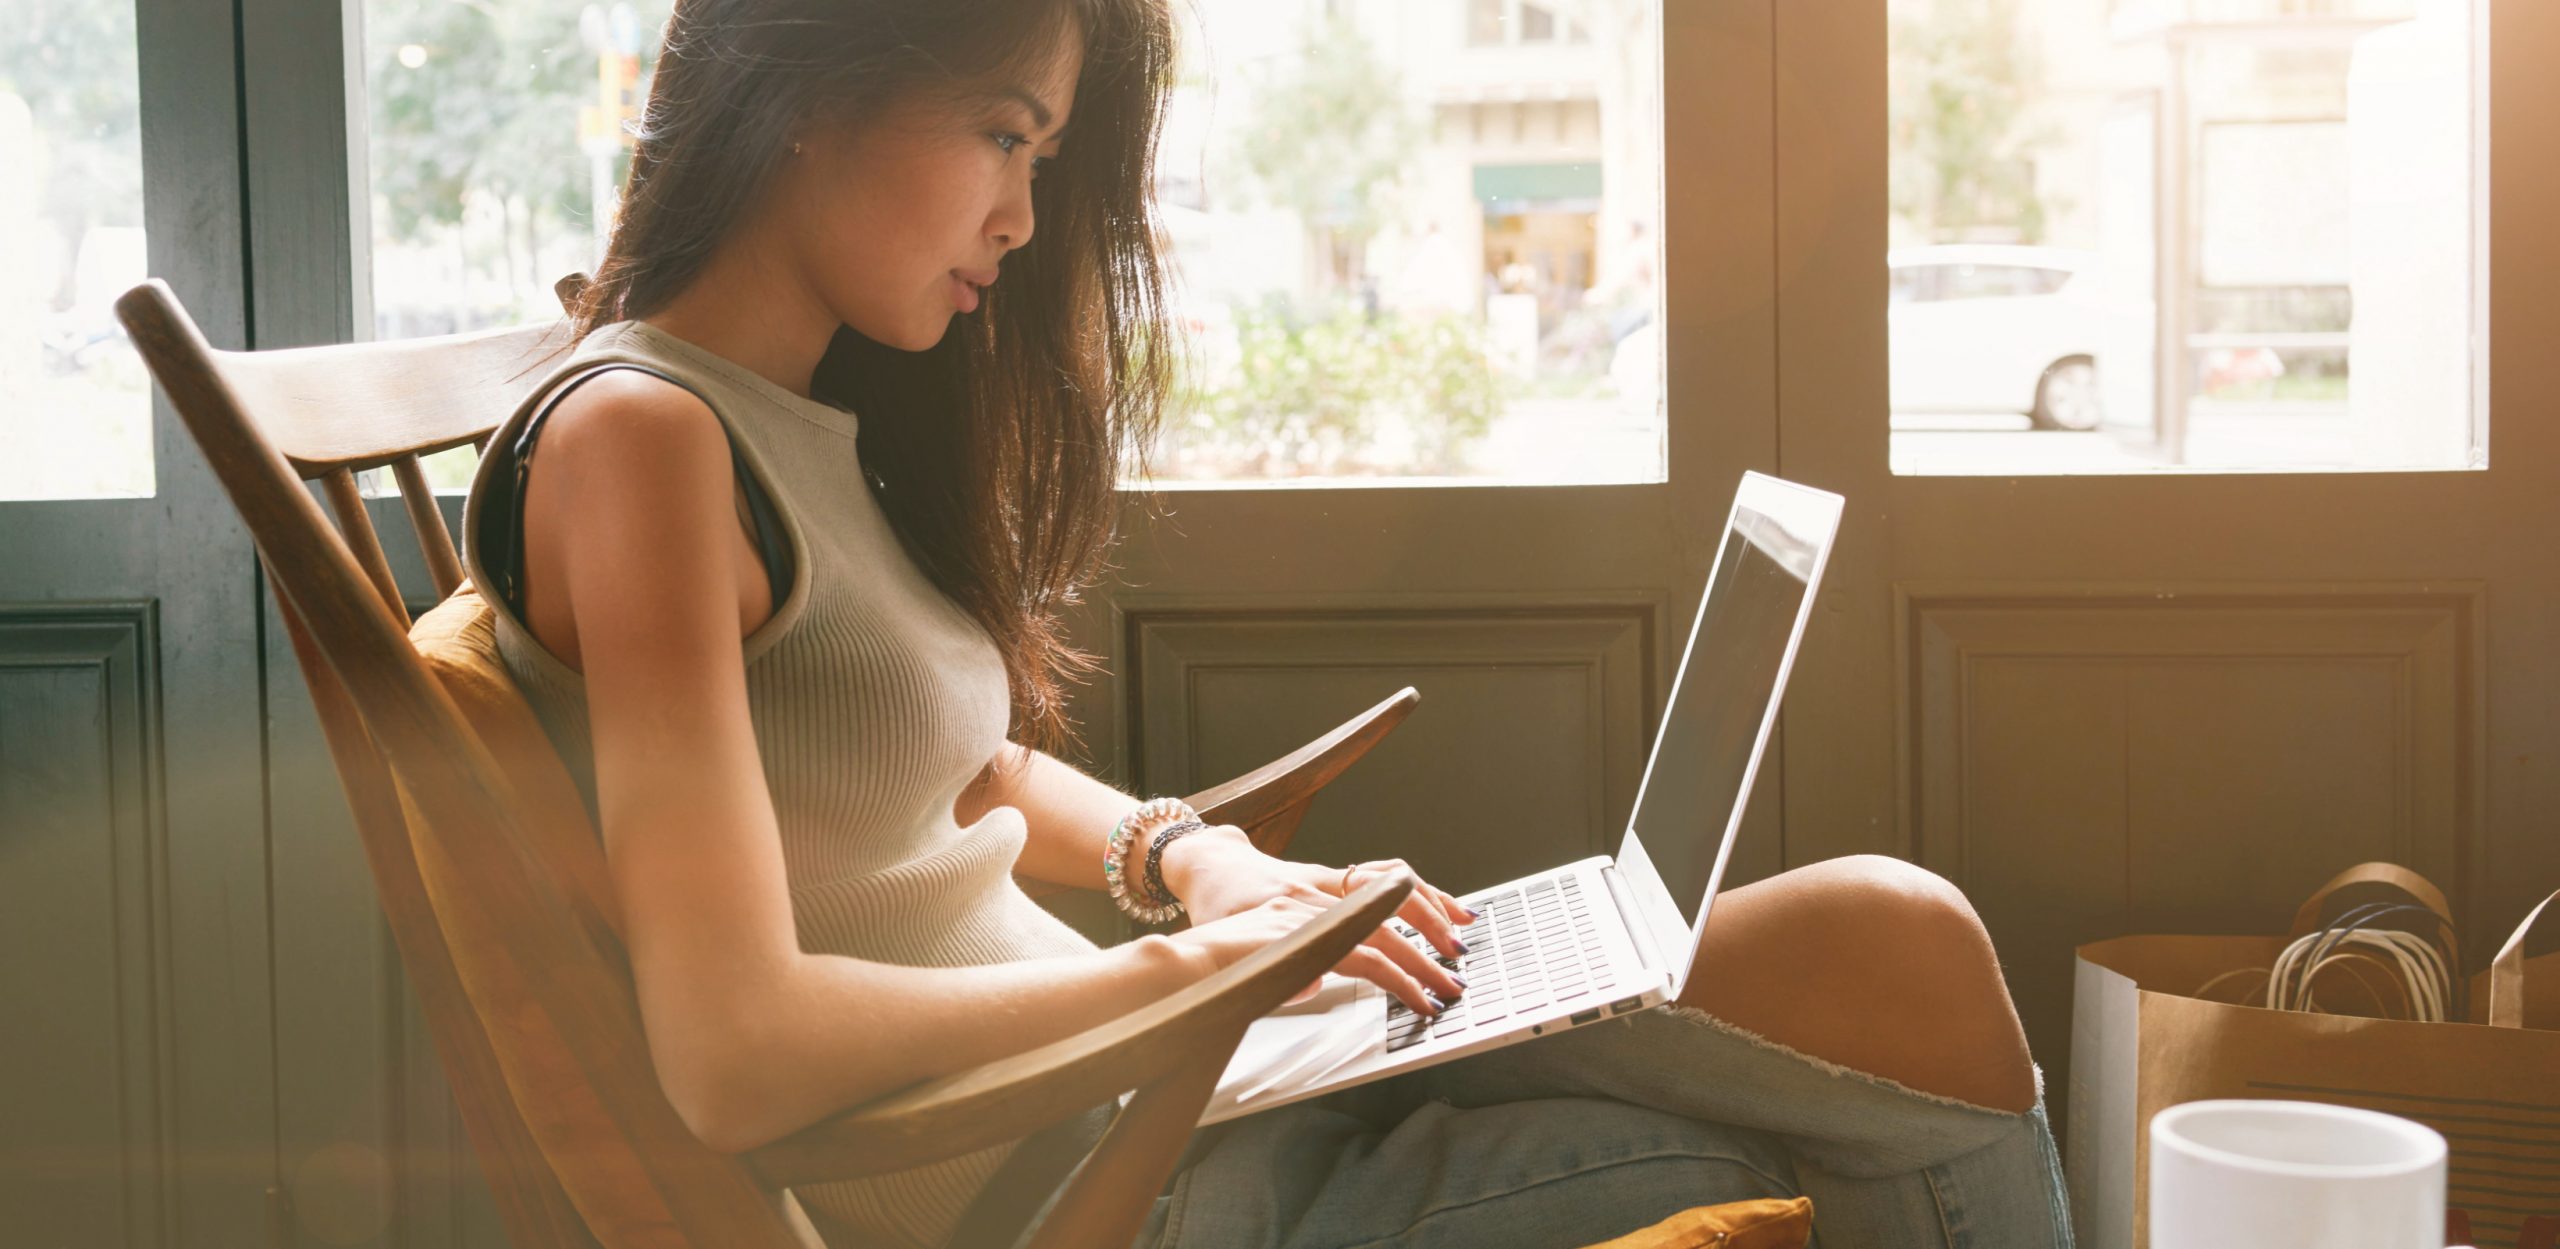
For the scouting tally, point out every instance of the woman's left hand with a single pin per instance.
(1217, 872)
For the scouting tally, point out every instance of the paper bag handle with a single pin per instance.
(2417, 887)
(2506, 972)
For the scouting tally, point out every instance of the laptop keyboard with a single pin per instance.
(1528, 947)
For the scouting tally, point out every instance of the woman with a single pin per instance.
(787, 673)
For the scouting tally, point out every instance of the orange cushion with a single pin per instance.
(459, 642)
(1766, 1224)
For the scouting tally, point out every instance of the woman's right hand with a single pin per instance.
(1220, 942)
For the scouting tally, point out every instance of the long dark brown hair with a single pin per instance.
(999, 451)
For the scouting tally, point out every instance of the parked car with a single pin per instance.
(1973, 328)
(1976, 328)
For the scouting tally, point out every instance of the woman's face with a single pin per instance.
(899, 223)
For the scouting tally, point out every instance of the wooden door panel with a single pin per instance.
(2093, 760)
(1524, 752)
(2210, 712)
(85, 846)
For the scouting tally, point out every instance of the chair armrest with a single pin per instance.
(1015, 1096)
(1266, 801)
(1288, 782)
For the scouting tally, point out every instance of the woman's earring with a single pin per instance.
(795, 149)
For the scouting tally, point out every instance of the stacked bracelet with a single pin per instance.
(1115, 859)
(1159, 892)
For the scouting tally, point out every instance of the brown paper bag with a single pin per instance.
(2140, 1044)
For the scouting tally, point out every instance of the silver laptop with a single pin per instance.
(1609, 934)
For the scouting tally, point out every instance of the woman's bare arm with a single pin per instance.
(630, 511)
(1068, 815)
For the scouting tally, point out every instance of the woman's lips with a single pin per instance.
(963, 296)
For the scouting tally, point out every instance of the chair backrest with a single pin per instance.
(520, 973)
(493, 881)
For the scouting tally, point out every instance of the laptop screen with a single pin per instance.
(1690, 801)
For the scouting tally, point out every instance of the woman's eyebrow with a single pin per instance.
(1039, 111)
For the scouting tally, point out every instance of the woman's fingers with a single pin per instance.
(1456, 911)
(1428, 919)
(1369, 963)
(1422, 967)
(1433, 913)
(1429, 908)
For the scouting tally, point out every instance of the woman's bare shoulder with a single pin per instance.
(631, 421)
(629, 514)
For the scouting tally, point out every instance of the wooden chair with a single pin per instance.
(494, 883)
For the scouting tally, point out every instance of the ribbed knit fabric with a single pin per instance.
(875, 699)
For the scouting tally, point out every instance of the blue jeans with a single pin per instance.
(1595, 1132)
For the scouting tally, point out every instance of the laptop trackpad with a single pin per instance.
(1294, 1045)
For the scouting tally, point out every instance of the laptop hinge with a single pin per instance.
(1636, 927)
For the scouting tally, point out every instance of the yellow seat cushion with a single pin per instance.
(1765, 1224)
(458, 639)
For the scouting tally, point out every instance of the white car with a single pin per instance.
(1974, 329)
(1996, 328)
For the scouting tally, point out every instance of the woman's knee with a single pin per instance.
(1876, 964)
(1871, 923)
(1900, 915)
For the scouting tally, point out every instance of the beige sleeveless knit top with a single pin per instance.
(875, 698)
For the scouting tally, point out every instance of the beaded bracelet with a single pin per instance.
(1115, 858)
(1157, 891)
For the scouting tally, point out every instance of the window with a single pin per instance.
(1399, 256)
(1523, 21)
(2157, 234)
(75, 400)
(496, 151)
(1411, 248)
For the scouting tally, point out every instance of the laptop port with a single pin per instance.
(1587, 1015)
(1623, 1005)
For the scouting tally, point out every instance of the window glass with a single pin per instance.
(496, 152)
(2158, 234)
(1414, 247)
(75, 400)
(1403, 253)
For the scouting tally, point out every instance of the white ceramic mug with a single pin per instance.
(2294, 1175)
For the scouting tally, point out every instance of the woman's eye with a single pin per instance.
(1039, 163)
(1008, 142)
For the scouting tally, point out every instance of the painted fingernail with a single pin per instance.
(1471, 917)
(1462, 981)
(1437, 1005)
(1462, 947)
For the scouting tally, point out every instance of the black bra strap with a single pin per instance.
(502, 530)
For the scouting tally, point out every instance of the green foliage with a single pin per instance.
(1338, 393)
(1960, 78)
(1330, 138)
(494, 108)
